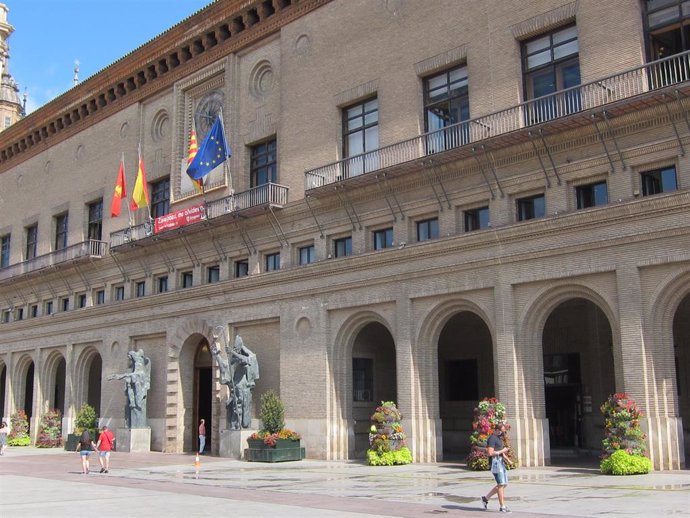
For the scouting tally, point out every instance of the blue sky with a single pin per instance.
(50, 35)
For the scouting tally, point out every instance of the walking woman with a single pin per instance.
(85, 446)
(4, 431)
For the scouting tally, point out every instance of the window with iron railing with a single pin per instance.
(95, 225)
(5, 251)
(61, 231)
(360, 136)
(550, 63)
(31, 241)
(446, 102)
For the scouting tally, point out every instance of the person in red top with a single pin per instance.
(202, 436)
(105, 444)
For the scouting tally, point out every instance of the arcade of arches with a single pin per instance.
(574, 346)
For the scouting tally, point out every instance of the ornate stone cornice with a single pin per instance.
(222, 28)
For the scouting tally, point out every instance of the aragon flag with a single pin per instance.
(120, 190)
(193, 148)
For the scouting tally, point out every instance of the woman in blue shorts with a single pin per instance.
(85, 446)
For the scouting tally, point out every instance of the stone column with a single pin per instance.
(69, 390)
(639, 367)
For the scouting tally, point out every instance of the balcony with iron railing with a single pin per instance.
(650, 84)
(248, 203)
(86, 250)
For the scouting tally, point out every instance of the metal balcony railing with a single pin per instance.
(649, 77)
(90, 249)
(245, 202)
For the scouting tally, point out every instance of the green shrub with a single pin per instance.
(621, 462)
(389, 458)
(86, 420)
(272, 412)
(19, 430)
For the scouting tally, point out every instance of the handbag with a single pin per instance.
(496, 464)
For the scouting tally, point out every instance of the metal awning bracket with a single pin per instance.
(349, 208)
(673, 123)
(277, 229)
(429, 170)
(313, 215)
(383, 178)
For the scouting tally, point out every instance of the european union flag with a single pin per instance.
(214, 150)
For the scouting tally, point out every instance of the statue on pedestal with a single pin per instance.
(137, 384)
(239, 371)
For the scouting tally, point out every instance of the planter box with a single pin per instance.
(284, 450)
(71, 442)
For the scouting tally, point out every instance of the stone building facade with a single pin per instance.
(427, 202)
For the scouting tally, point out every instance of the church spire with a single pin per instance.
(11, 108)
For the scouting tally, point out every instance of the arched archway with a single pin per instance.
(578, 368)
(203, 392)
(88, 373)
(681, 350)
(465, 375)
(54, 382)
(374, 379)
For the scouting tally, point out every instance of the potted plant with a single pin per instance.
(274, 442)
(86, 419)
(387, 445)
(488, 414)
(49, 431)
(625, 450)
(19, 432)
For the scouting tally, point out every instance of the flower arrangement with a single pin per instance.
(488, 414)
(625, 450)
(386, 437)
(49, 431)
(273, 421)
(19, 430)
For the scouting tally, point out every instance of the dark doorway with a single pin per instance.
(203, 389)
(3, 378)
(563, 399)
(29, 392)
(93, 396)
(58, 400)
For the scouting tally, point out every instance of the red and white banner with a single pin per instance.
(179, 218)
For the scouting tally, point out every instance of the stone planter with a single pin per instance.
(284, 450)
(71, 442)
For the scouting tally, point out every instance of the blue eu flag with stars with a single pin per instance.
(213, 151)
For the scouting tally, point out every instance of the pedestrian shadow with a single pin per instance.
(456, 507)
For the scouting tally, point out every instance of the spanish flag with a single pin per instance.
(120, 190)
(193, 148)
(140, 194)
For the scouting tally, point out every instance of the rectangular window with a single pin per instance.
(100, 297)
(33, 311)
(531, 207)
(264, 163)
(361, 137)
(160, 197)
(476, 219)
(95, 225)
(658, 181)
(31, 241)
(427, 229)
(446, 102)
(20, 314)
(383, 238)
(241, 268)
(212, 273)
(306, 254)
(592, 195)
(5, 251)
(64, 304)
(187, 279)
(462, 380)
(162, 284)
(140, 288)
(362, 379)
(342, 247)
(81, 300)
(6, 316)
(48, 307)
(667, 23)
(272, 262)
(61, 231)
(119, 292)
(551, 63)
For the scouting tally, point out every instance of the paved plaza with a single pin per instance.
(41, 483)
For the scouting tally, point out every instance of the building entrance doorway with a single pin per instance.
(203, 393)
(563, 399)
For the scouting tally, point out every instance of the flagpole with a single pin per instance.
(226, 169)
(145, 187)
(124, 179)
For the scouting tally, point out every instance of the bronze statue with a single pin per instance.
(239, 373)
(137, 384)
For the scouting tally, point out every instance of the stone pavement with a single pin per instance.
(39, 483)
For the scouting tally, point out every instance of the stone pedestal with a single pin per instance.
(133, 439)
(234, 442)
